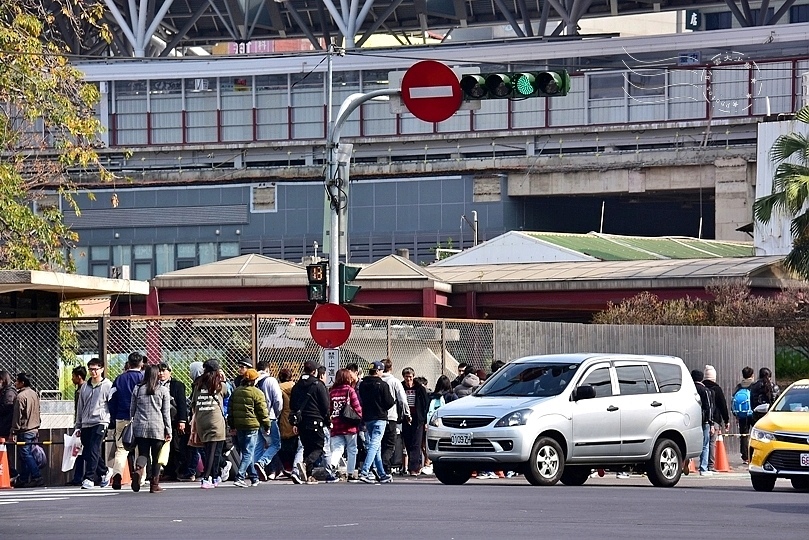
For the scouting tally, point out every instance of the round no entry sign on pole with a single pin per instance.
(431, 91)
(330, 325)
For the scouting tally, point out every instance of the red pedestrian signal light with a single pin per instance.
(516, 85)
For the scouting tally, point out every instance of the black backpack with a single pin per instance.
(711, 406)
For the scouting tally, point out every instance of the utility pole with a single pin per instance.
(333, 181)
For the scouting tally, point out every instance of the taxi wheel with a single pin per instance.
(451, 475)
(762, 482)
(801, 483)
(546, 464)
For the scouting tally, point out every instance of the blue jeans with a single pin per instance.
(248, 440)
(347, 442)
(268, 446)
(376, 429)
(28, 468)
(706, 443)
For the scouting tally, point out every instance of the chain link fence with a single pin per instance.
(49, 349)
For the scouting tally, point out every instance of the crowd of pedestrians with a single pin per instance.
(265, 428)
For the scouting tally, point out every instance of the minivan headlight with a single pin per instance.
(516, 418)
(761, 435)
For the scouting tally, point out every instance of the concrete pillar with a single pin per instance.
(735, 193)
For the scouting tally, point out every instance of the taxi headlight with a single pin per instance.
(516, 418)
(761, 435)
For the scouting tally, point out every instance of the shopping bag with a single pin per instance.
(163, 457)
(72, 449)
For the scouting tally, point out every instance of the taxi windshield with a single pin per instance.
(528, 380)
(796, 400)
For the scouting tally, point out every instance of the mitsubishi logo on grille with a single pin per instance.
(462, 424)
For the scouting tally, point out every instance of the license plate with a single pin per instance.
(465, 439)
(804, 460)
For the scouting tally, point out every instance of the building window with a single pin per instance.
(646, 84)
(718, 21)
(754, 15)
(228, 250)
(186, 256)
(100, 261)
(262, 198)
(799, 14)
(607, 86)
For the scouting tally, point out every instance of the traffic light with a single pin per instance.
(516, 85)
(316, 289)
(347, 275)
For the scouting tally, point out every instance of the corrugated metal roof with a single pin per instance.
(608, 247)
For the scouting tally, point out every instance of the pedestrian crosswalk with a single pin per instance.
(36, 495)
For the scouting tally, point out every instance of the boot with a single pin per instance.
(154, 486)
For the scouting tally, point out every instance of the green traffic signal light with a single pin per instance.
(348, 274)
(516, 85)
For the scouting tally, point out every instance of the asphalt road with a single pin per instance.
(722, 506)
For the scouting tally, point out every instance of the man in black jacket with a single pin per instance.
(413, 431)
(721, 419)
(310, 398)
(179, 418)
(376, 398)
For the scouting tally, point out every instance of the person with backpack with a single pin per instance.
(414, 431)
(706, 398)
(742, 409)
(764, 390)
(720, 420)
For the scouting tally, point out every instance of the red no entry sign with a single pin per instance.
(330, 325)
(431, 91)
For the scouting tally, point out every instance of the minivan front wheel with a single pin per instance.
(451, 475)
(666, 465)
(546, 464)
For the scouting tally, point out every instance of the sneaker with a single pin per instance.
(387, 479)
(622, 474)
(332, 479)
(302, 472)
(217, 481)
(240, 483)
(427, 469)
(706, 473)
(486, 476)
(225, 474)
(287, 473)
(87, 484)
(262, 474)
(272, 476)
(512, 474)
(36, 482)
(295, 479)
(206, 484)
(367, 478)
(255, 483)
(311, 480)
(116, 480)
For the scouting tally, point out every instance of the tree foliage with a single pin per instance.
(732, 304)
(790, 194)
(48, 131)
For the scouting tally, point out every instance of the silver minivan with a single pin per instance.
(557, 417)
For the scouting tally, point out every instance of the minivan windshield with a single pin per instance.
(540, 379)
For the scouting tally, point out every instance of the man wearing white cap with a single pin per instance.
(721, 419)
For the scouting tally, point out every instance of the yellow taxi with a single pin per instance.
(780, 441)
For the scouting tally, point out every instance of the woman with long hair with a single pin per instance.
(151, 426)
(207, 407)
(343, 433)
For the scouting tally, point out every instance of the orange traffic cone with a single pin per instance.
(5, 473)
(721, 456)
(692, 468)
(126, 478)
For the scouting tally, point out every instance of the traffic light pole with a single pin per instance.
(333, 182)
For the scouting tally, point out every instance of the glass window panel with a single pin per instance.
(236, 84)
(228, 250)
(100, 270)
(599, 379)
(79, 256)
(166, 86)
(643, 84)
(187, 251)
(201, 84)
(207, 253)
(606, 86)
(121, 255)
(143, 271)
(164, 262)
(130, 88)
(100, 253)
(143, 251)
(310, 79)
(271, 82)
(669, 376)
(634, 380)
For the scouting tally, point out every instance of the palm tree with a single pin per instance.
(790, 192)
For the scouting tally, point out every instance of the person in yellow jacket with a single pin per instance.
(247, 413)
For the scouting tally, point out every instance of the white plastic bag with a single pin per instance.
(72, 450)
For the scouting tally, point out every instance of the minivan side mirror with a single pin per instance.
(584, 391)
